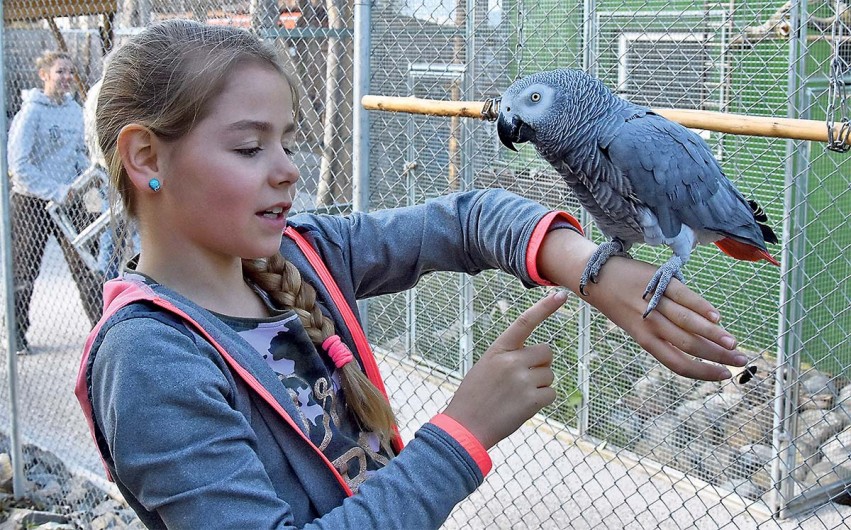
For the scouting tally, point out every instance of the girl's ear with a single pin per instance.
(137, 147)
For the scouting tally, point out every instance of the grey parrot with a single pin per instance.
(641, 177)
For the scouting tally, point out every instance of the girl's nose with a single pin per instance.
(286, 171)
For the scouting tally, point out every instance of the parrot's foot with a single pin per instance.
(598, 259)
(660, 281)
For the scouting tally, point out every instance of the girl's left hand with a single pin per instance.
(682, 331)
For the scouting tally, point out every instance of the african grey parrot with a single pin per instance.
(642, 177)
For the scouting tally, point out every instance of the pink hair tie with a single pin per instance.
(338, 351)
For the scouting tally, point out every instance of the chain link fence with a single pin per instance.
(627, 444)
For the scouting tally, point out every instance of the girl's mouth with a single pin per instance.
(273, 213)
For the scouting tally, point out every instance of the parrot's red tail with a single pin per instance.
(743, 251)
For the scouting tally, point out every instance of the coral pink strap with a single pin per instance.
(467, 440)
(367, 358)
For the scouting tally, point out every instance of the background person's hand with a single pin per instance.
(511, 382)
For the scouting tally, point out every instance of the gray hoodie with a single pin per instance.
(46, 149)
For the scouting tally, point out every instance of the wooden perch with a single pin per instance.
(740, 124)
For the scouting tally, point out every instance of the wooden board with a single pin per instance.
(14, 10)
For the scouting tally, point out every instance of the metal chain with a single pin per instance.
(518, 48)
(836, 93)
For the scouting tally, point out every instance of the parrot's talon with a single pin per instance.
(599, 258)
(660, 281)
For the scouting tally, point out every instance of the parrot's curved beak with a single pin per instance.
(514, 131)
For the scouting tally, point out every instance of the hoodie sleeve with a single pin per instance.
(388, 251)
(26, 175)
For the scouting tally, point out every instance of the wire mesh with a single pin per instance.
(657, 450)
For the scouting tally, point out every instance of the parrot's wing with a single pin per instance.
(672, 171)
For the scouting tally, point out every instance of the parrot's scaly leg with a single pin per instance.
(600, 256)
(660, 281)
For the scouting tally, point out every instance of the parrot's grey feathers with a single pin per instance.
(642, 177)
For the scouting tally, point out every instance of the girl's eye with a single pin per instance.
(289, 150)
(249, 151)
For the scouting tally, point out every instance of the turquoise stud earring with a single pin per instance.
(154, 184)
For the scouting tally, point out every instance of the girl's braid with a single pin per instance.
(282, 281)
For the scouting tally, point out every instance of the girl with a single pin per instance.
(212, 383)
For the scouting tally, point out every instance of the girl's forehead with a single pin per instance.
(252, 93)
(250, 82)
(61, 63)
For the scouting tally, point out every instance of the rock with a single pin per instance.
(5, 473)
(107, 521)
(817, 390)
(626, 425)
(50, 493)
(837, 449)
(750, 425)
(815, 426)
(742, 487)
(662, 439)
(752, 458)
(657, 391)
(82, 495)
(762, 477)
(39, 463)
(843, 403)
(713, 414)
(707, 388)
(694, 422)
(718, 463)
(662, 452)
(107, 506)
(23, 518)
(707, 461)
(826, 473)
(648, 398)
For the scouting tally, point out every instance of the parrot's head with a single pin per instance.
(540, 108)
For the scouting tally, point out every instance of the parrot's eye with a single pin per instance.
(536, 97)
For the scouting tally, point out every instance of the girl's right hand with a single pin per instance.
(511, 382)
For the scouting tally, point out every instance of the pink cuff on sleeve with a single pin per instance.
(541, 230)
(467, 441)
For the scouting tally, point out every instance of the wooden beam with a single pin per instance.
(17, 10)
(740, 124)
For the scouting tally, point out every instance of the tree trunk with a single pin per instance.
(458, 57)
(332, 144)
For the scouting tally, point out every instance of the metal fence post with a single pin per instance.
(8, 288)
(466, 292)
(360, 121)
(583, 371)
(791, 274)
